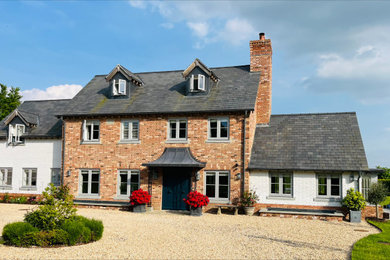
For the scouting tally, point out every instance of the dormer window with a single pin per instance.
(197, 82)
(119, 87)
(15, 133)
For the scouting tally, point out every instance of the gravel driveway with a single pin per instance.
(163, 235)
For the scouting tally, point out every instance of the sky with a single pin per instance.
(328, 56)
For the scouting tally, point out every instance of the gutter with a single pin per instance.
(243, 154)
(63, 152)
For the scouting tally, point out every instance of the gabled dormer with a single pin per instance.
(122, 82)
(199, 78)
(18, 124)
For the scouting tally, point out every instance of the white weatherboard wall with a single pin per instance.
(40, 154)
(304, 189)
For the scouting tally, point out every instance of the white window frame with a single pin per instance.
(131, 128)
(219, 120)
(14, 134)
(280, 176)
(89, 193)
(129, 173)
(366, 184)
(28, 176)
(177, 122)
(201, 82)
(5, 179)
(217, 199)
(54, 172)
(328, 185)
(85, 131)
(119, 87)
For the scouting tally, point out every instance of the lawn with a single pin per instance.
(376, 246)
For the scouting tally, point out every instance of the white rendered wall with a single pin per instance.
(304, 189)
(40, 154)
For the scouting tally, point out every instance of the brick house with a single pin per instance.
(208, 129)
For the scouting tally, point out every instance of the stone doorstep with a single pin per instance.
(336, 214)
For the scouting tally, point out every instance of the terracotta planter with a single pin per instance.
(139, 208)
(196, 211)
(249, 211)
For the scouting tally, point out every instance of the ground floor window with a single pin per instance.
(29, 177)
(5, 176)
(128, 181)
(89, 182)
(56, 176)
(217, 185)
(366, 184)
(329, 185)
(281, 183)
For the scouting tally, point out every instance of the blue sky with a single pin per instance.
(328, 56)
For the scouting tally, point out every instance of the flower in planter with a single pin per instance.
(196, 199)
(249, 199)
(139, 197)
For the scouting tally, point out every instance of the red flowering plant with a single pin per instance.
(139, 197)
(196, 199)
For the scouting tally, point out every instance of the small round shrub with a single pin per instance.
(354, 200)
(13, 232)
(96, 226)
(45, 238)
(78, 232)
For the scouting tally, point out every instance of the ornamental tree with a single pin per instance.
(377, 194)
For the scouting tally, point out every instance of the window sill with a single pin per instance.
(329, 199)
(90, 142)
(218, 141)
(129, 142)
(222, 201)
(87, 196)
(122, 198)
(171, 141)
(28, 188)
(6, 187)
(275, 197)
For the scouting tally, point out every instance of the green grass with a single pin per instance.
(375, 246)
(386, 201)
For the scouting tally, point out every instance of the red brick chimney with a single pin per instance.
(261, 60)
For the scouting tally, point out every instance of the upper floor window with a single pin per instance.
(29, 177)
(281, 184)
(119, 87)
(218, 128)
(197, 82)
(130, 130)
(177, 129)
(91, 131)
(329, 185)
(15, 133)
(5, 176)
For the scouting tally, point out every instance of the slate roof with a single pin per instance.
(42, 112)
(329, 141)
(176, 157)
(164, 92)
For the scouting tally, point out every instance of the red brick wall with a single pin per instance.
(261, 60)
(109, 156)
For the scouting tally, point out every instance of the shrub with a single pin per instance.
(376, 194)
(23, 200)
(354, 200)
(386, 184)
(45, 238)
(139, 197)
(96, 227)
(196, 199)
(78, 232)
(249, 198)
(6, 198)
(57, 207)
(13, 232)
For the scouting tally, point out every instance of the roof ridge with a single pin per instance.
(164, 71)
(306, 114)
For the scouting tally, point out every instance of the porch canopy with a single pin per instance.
(176, 157)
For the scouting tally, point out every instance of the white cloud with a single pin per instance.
(138, 4)
(199, 29)
(237, 31)
(54, 92)
(167, 25)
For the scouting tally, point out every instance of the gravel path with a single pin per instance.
(163, 235)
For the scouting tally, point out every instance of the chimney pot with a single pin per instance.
(262, 36)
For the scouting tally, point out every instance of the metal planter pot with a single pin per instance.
(139, 208)
(196, 211)
(355, 216)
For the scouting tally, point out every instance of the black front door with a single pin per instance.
(176, 185)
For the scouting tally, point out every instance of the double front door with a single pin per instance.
(176, 186)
